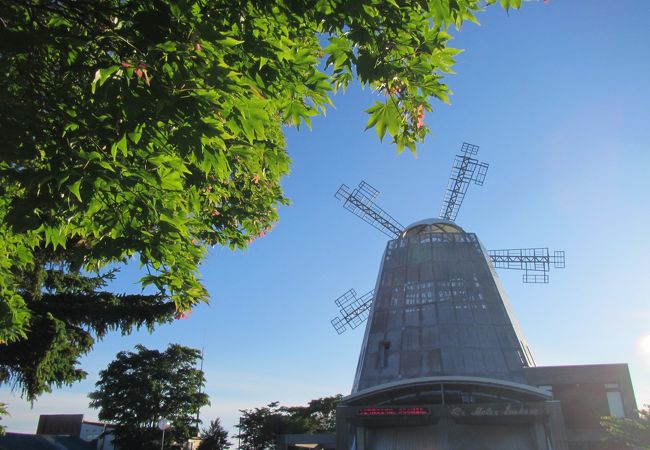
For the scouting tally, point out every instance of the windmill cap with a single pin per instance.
(432, 226)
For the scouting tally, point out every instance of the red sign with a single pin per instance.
(383, 412)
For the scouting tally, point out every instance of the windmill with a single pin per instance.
(534, 262)
(438, 308)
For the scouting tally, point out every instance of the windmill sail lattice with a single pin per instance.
(529, 260)
(360, 202)
(353, 310)
(465, 170)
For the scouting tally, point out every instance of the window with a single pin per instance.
(383, 354)
(467, 397)
(546, 388)
(614, 400)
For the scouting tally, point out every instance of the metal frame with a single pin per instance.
(353, 310)
(464, 170)
(528, 260)
(359, 202)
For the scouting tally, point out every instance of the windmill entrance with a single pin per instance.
(502, 416)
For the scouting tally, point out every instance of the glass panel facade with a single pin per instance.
(442, 313)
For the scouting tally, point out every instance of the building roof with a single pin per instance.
(432, 226)
(18, 441)
(403, 388)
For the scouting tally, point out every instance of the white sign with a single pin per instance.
(163, 424)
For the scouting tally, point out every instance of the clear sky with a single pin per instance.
(558, 98)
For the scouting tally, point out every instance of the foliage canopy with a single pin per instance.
(259, 427)
(214, 437)
(140, 388)
(149, 130)
(635, 432)
(3, 412)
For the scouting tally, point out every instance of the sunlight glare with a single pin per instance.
(644, 345)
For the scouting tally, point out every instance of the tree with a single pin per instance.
(140, 388)
(215, 437)
(3, 412)
(634, 432)
(259, 427)
(319, 415)
(149, 130)
(65, 319)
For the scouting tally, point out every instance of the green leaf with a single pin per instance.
(263, 62)
(170, 179)
(70, 127)
(507, 4)
(168, 46)
(123, 145)
(54, 236)
(74, 188)
(229, 42)
(136, 134)
(58, 21)
(102, 75)
(384, 116)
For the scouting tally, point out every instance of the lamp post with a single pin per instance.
(163, 424)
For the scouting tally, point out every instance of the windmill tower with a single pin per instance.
(440, 330)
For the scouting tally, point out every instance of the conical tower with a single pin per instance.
(439, 310)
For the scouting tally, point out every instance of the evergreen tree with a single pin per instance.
(140, 388)
(3, 412)
(215, 437)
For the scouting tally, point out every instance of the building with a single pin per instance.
(445, 365)
(97, 433)
(587, 393)
(19, 441)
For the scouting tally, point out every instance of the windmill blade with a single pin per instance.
(360, 202)
(464, 170)
(535, 260)
(353, 310)
(345, 299)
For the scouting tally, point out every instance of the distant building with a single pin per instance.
(18, 441)
(587, 393)
(323, 441)
(97, 433)
(60, 424)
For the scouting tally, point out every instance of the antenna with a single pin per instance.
(464, 170)
(198, 409)
(529, 260)
(353, 310)
(360, 202)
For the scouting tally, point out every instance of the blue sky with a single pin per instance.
(557, 97)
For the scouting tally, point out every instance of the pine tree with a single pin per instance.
(214, 437)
